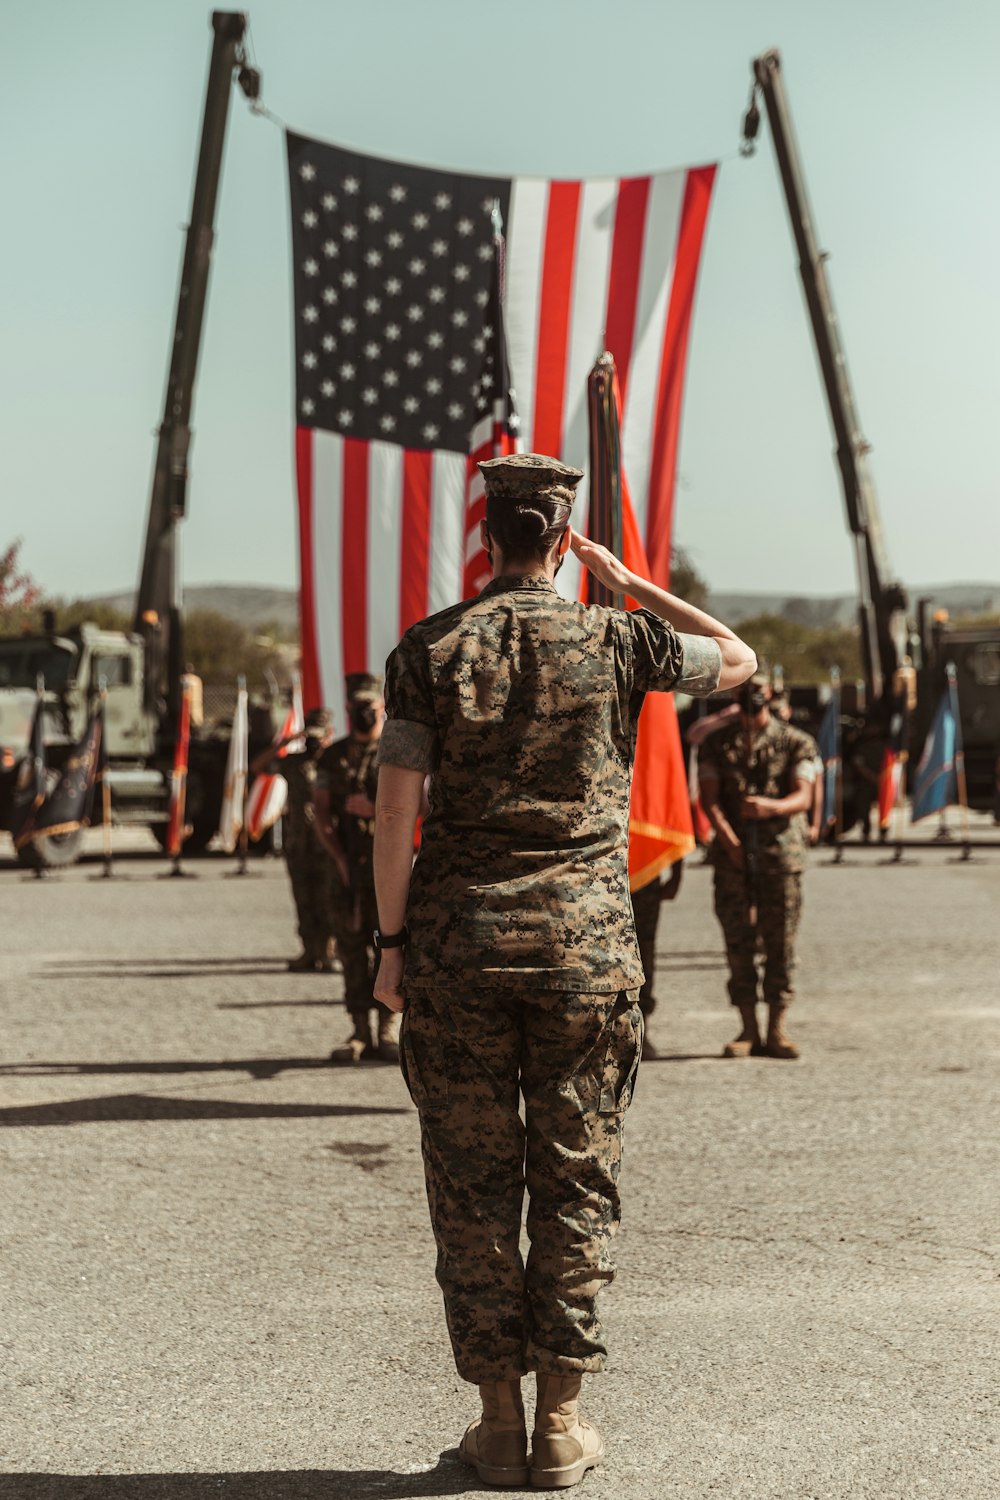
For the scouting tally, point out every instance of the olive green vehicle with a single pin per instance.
(138, 737)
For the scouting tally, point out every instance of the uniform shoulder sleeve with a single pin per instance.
(410, 736)
(663, 659)
(804, 755)
(657, 654)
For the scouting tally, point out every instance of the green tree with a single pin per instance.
(20, 595)
(220, 648)
(806, 652)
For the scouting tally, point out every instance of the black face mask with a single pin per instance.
(753, 702)
(363, 717)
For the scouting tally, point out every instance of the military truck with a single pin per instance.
(73, 667)
(141, 670)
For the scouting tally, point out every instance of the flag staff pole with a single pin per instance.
(39, 871)
(838, 796)
(105, 786)
(241, 868)
(960, 782)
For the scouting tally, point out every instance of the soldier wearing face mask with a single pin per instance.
(757, 775)
(346, 782)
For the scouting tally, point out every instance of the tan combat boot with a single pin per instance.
(356, 1048)
(748, 1043)
(562, 1447)
(388, 1034)
(496, 1444)
(778, 1044)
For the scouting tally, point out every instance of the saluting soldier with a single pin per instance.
(308, 862)
(346, 782)
(756, 776)
(515, 948)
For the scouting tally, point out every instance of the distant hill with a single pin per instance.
(842, 609)
(251, 605)
(257, 607)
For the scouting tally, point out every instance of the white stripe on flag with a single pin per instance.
(522, 298)
(587, 320)
(385, 533)
(663, 220)
(448, 472)
(327, 514)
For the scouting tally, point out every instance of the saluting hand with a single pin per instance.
(605, 566)
(389, 979)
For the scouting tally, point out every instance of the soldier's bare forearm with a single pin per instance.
(397, 807)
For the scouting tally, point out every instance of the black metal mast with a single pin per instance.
(882, 603)
(157, 612)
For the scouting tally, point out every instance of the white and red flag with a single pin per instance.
(269, 791)
(178, 828)
(399, 370)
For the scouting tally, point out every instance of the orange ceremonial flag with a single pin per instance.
(660, 827)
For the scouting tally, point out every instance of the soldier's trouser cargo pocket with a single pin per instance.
(467, 1058)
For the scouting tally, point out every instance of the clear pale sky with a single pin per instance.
(896, 110)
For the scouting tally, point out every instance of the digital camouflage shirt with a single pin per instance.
(345, 767)
(524, 708)
(778, 756)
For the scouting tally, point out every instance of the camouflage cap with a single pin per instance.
(317, 720)
(529, 476)
(363, 685)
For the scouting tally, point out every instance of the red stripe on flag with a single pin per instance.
(415, 542)
(556, 297)
(659, 523)
(311, 695)
(623, 281)
(354, 557)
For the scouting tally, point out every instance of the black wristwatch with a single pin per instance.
(391, 939)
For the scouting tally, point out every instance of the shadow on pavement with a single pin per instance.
(648, 1062)
(255, 1067)
(448, 1477)
(115, 1108)
(252, 960)
(127, 970)
(272, 1004)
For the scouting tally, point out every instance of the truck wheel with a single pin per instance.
(54, 851)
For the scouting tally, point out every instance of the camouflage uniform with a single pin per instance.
(346, 767)
(309, 865)
(522, 970)
(779, 756)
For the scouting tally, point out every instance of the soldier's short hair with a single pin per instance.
(528, 500)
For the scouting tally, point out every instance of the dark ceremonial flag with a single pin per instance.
(70, 804)
(29, 788)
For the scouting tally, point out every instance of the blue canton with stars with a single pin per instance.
(393, 269)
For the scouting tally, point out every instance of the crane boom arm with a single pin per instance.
(157, 613)
(882, 602)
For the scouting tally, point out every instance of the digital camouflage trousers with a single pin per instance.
(309, 868)
(353, 920)
(466, 1057)
(779, 907)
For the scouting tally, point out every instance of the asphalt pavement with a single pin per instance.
(216, 1267)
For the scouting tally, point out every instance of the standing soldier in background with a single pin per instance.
(756, 776)
(308, 862)
(346, 782)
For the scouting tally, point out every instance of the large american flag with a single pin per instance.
(400, 375)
